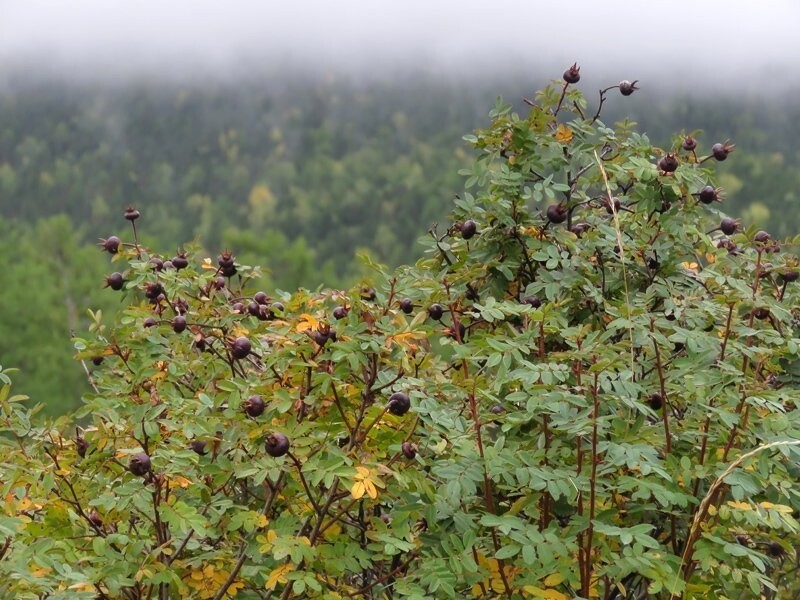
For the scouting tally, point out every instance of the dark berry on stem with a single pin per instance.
(721, 151)
(277, 445)
(115, 281)
(180, 261)
(340, 312)
(689, 143)
(655, 401)
(468, 229)
(97, 361)
(153, 290)
(179, 324)
(238, 308)
(81, 445)
(728, 226)
(199, 446)
(532, 300)
(254, 308)
(149, 322)
(225, 259)
(775, 550)
(409, 451)
(140, 464)
(254, 406)
(579, 228)
(617, 205)
(435, 311)
(626, 88)
(557, 213)
(399, 404)
(668, 163)
(762, 237)
(407, 306)
(708, 194)
(761, 313)
(110, 244)
(240, 348)
(131, 214)
(573, 74)
(157, 263)
(790, 275)
(260, 298)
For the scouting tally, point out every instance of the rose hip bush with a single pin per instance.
(586, 388)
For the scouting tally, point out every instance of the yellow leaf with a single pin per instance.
(279, 575)
(740, 505)
(553, 580)
(307, 322)
(239, 331)
(83, 587)
(179, 481)
(781, 508)
(207, 265)
(358, 489)
(564, 133)
(371, 491)
(547, 594)
(690, 266)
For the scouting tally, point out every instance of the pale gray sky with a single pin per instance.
(700, 40)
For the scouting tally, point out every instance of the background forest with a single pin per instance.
(296, 173)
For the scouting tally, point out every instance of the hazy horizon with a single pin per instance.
(703, 46)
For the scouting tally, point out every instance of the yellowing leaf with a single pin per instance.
(307, 322)
(358, 489)
(564, 133)
(279, 575)
(207, 265)
(180, 482)
(781, 508)
(364, 484)
(83, 587)
(740, 505)
(553, 580)
(690, 266)
(239, 331)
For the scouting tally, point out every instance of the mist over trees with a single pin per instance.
(296, 172)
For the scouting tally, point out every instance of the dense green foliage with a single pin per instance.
(583, 390)
(297, 175)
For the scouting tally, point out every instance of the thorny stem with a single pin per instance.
(585, 584)
(702, 510)
(707, 423)
(243, 547)
(602, 99)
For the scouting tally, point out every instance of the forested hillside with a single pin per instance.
(296, 175)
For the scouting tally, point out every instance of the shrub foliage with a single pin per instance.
(584, 389)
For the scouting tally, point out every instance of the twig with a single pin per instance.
(702, 510)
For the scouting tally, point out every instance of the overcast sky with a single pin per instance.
(697, 41)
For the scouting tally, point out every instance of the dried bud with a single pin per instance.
(573, 74)
(668, 163)
(721, 150)
(131, 214)
(626, 88)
